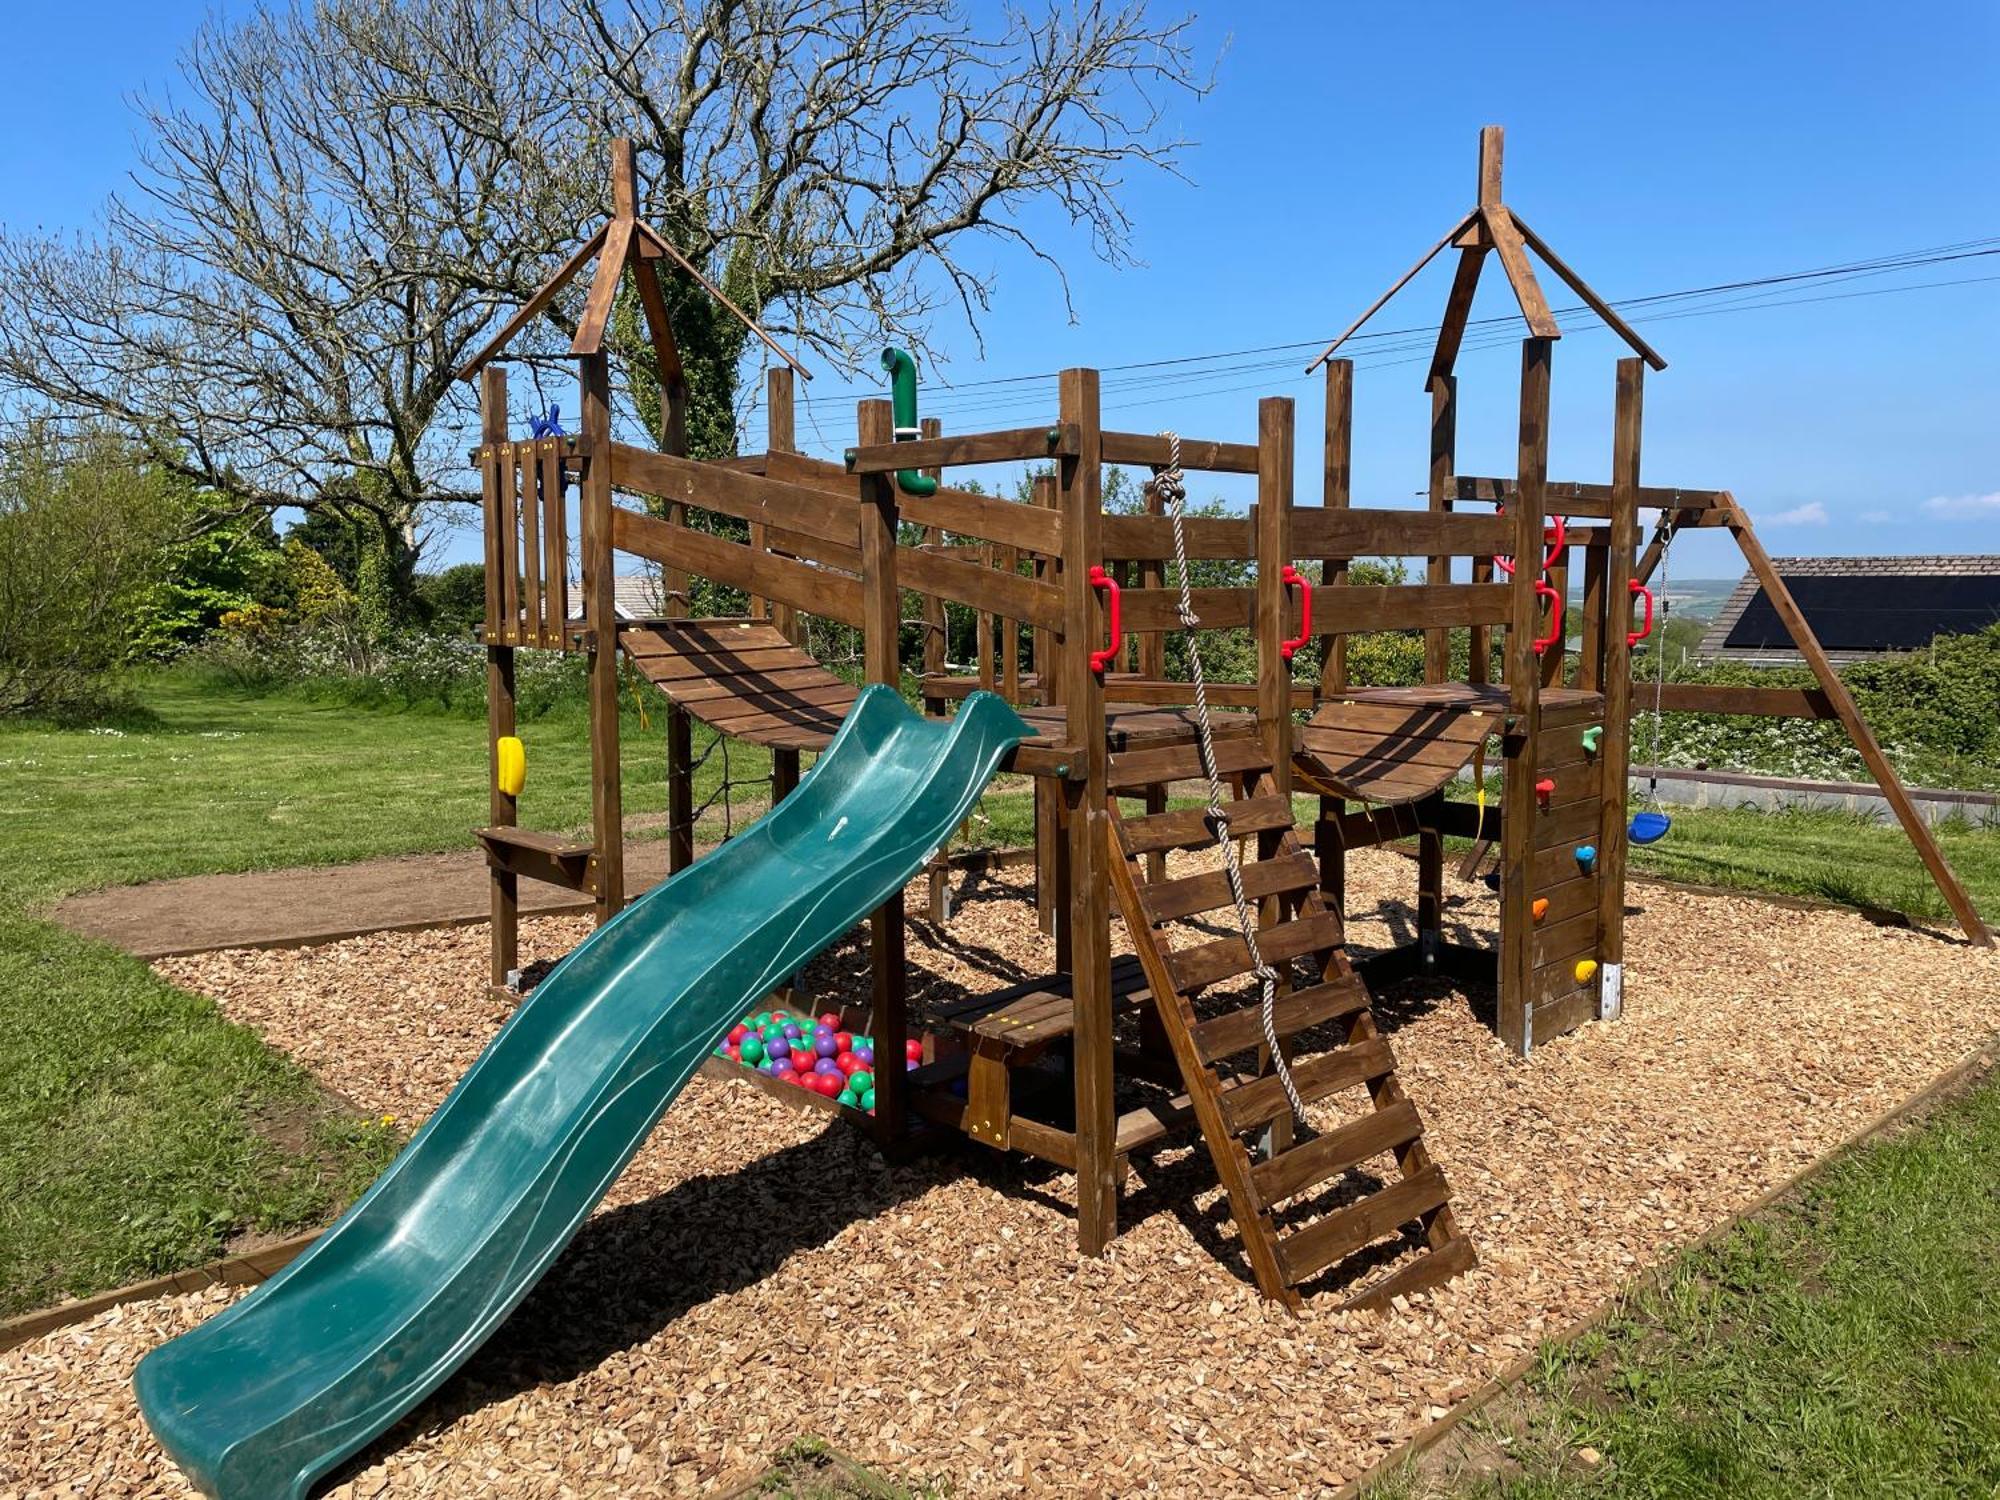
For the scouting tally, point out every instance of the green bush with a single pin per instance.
(82, 522)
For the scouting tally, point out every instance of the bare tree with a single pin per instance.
(353, 190)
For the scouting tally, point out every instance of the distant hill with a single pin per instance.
(1693, 598)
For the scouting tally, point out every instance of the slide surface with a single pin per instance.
(276, 1390)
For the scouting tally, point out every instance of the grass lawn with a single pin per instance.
(139, 1131)
(1844, 1343)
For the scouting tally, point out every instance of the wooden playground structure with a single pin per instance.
(1103, 1059)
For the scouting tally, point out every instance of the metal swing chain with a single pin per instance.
(1171, 486)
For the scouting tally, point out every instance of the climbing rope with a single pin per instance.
(1171, 486)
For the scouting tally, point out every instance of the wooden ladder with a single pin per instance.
(1275, 1196)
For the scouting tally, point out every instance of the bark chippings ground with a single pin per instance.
(759, 1274)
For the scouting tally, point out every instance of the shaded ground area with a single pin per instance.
(760, 1273)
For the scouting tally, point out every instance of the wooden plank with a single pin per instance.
(1216, 609)
(730, 492)
(1352, 533)
(960, 512)
(1353, 608)
(1007, 446)
(1306, 1252)
(1334, 745)
(1565, 826)
(1568, 938)
(821, 591)
(1434, 1267)
(555, 549)
(1338, 1150)
(1207, 963)
(1336, 495)
(1186, 895)
(1720, 698)
(1200, 454)
(496, 458)
(1842, 701)
(1520, 274)
(995, 591)
(533, 468)
(1614, 748)
(1276, 439)
(528, 311)
(1166, 763)
(1295, 1011)
(1152, 537)
(1260, 1100)
(509, 511)
(1554, 1018)
(1457, 309)
(1188, 828)
(1437, 565)
(1574, 497)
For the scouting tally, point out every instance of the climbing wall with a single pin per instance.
(1357, 1190)
(1566, 868)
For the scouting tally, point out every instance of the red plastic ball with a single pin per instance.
(735, 1054)
(802, 1062)
(847, 1062)
(738, 1032)
(913, 1049)
(828, 1084)
(843, 1041)
(830, 1019)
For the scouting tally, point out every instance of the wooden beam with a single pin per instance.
(1275, 418)
(603, 289)
(1457, 309)
(1350, 533)
(1437, 563)
(1801, 632)
(1401, 281)
(1152, 448)
(1590, 298)
(651, 236)
(601, 621)
(528, 311)
(1492, 154)
(1614, 750)
(1721, 698)
(1087, 820)
(501, 809)
(1336, 496)
(1520, 274)
(1005, 446)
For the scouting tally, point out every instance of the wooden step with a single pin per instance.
(1224, 958)
(1304, 1253)
(1187, 895)
(1169, 763)
(1427, 1270)
(1312, 1162)
(1252, 1105)
(1295, 1011)
(1188, 828)
(567, 862)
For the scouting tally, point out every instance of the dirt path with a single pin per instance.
(318, 904)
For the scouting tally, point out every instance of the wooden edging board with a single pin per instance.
(1979, 1061)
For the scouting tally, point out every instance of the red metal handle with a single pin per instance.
(1543, 591)
(1290, 575)
(1633, 637)
(1099, 579)
(1557, 542)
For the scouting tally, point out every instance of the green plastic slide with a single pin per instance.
(299, 1375)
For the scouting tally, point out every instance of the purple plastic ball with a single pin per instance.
(825, 1045)
(910, 1065)
(826, 1065)
(866, 1054)
(777, 1047)
(774, 1067)
(792, 1031)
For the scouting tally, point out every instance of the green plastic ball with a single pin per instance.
(868, 1099)
(751, 1050)
(861, 1081)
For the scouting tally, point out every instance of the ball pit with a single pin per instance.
(815, 1055)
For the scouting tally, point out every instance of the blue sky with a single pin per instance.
(1658, 148)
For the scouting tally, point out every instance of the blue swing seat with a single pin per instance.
(1649, 827)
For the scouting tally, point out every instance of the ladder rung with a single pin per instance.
(1239, 1030)
(1224, 958)
(1308, 1251)
(1292, 1172)
(1186, 895)
(1250, 1105)
(1427, 1270)
(1188, 828)
(1141, 768)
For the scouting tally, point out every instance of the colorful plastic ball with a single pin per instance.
(802, 1062)
(751, 1049)
(861, 1079)
(775, 1067)
(738, 1032)
(914, 1049)
(865, 1055)
(827, 1084)
(826, 1046)
(827, 1067)
(910, 1065)
(848, 1063)
(843, 1040)
(792, 1032)
(868, 1100)
(830, 1021)
(733, 1052)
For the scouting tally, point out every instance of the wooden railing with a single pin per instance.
(527, 542)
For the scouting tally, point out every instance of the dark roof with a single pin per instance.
(1859, 606)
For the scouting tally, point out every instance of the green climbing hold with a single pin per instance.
(1591, 737)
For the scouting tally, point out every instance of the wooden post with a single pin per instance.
(1048, 827)
(501, 809)
(607, 823)
(1517, 827)
(1336, 493)
(1081, 477)
(935, 661)
(881, 629)
(1849, 713)
(1276, 434)
(1437, 665)
(780, 436)
(1614, 746)
(678, 585)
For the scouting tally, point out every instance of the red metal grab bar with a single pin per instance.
(1100, 579)
(1543, 591)
(1291, 575)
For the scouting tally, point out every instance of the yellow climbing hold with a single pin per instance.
(1586, 970)
(510, 765)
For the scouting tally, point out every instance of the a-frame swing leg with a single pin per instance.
(1849, 713)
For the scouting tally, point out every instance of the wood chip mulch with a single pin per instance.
(759, 1274)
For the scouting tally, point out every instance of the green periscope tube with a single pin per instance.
(903, 397)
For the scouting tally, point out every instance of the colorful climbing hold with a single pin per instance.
(1545, 789)
(1586, 855)
(1592, 737)
(1586, 970)
(1541, 907)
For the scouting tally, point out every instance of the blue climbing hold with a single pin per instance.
(547, 426)
(1586, 855)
